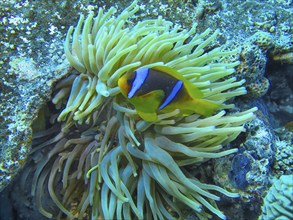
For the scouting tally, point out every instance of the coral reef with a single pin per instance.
(29, 61)
(19, 107)
(111, 163)
(250, 176)
(283, 158)
(266, 34)
(278, 201)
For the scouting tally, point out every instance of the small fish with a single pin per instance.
(162, 89)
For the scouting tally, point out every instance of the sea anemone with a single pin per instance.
(100, 159)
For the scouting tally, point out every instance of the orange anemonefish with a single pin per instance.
(162, 89)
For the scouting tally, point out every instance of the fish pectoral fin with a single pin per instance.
(157, 95)
(147, 105)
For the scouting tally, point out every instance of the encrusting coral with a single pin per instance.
(278, 202)
(100, 159)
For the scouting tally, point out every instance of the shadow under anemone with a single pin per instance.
(120, 169)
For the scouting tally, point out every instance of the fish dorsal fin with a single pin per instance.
(170, 71)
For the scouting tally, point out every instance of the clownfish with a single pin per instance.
(162, 89)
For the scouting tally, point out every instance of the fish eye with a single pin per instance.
(130, 79)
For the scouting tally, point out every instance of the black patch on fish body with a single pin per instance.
(157, 80)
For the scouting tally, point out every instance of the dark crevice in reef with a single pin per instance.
(279, 97)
